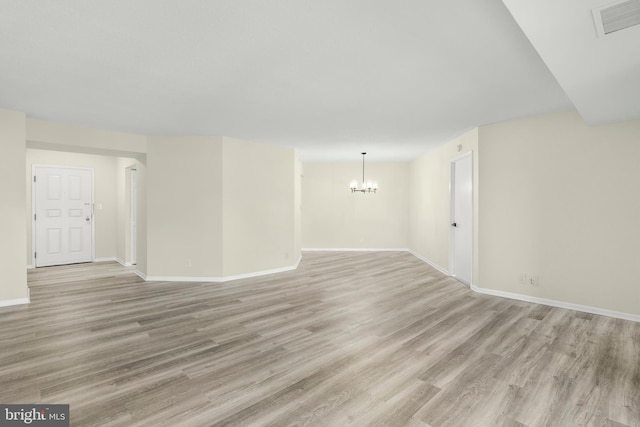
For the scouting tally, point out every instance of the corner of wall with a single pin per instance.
(259, 232)
(430, 201)
(13, 219)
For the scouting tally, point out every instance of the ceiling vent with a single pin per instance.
(619, 16)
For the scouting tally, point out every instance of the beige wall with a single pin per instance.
(553, 198)
(180, 196)
(183, 207)
(218, 207)
(258, 207)
(297, 194)
(141, 240)
(13, 284)
(430, 200)
(105, 195)
(333, 217)
(560, 200)
(180, 231)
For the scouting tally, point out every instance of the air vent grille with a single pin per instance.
(620, 16)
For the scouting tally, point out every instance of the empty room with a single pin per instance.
(323, 213)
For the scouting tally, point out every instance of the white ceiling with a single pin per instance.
(601, 75)
(329, 77)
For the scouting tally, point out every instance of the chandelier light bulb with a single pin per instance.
(367, 186)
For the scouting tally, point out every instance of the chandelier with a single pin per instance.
(367, 186)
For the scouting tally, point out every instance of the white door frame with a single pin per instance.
(33, 209)
(134, 217)
(452, 249)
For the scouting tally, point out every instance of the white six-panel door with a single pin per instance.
(63, 215)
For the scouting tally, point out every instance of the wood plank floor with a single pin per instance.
(347, 339)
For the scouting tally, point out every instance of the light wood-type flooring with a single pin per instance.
(363, 339)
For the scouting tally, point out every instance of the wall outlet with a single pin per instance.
(188, 263)
(528, 279)
(523, 279)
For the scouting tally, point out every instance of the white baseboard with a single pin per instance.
(190, 279)
(559, 304)
(11, 302)
(259, 273)
(355, 250)
(123, 263)
(141, 275)
(17, 301)
(217, 279)
(31, 266)
(536, 300)
(428, 261)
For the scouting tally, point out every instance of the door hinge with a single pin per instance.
(34, 178)
(35, 217)
(35, 255)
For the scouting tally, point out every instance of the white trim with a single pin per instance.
(123, 263)
(298, 262)
(133, 208)
(428, 261)
(223, 279)
(29, 266)
(33, 221)
(536, 300)
(11, 302)
(17, 301)
(258, 273)
(141, 275)
(356, 250)
(189, 279)
(559, 304)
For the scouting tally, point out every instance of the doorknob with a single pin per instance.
(454, 224)
(87, 219)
